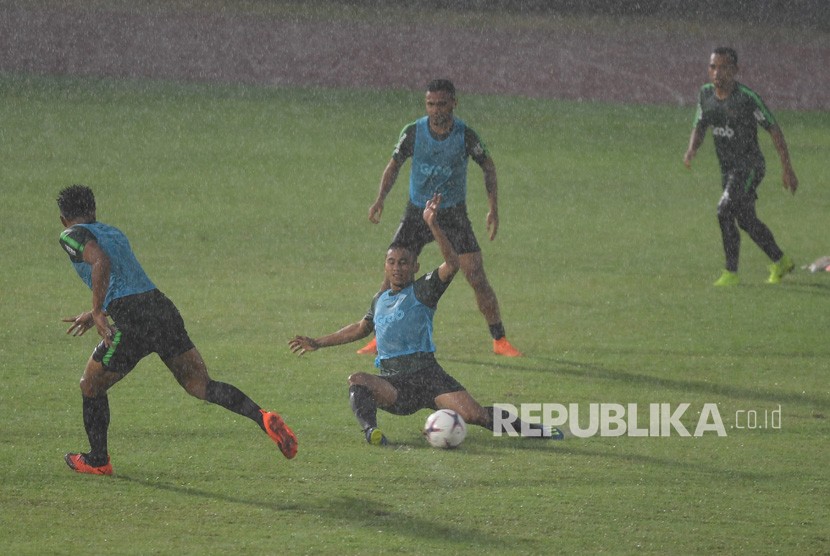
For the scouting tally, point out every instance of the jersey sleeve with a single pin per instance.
(405, 146)
(429, 288)
(762, 114)
(476, 149)
(700, 121)
(73, 240)
(370, 314)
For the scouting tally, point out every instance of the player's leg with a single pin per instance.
(465, 405)
(94, 384)
(730, 235)
(456, 224)
(190, 370)
(367, 392)
(760, 233)
(472, 412)
(472, 265)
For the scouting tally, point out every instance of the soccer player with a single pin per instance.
(734, 112)
(144, 321)
(402, 319)
(440, 145)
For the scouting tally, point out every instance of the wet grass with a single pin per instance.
(248, 207)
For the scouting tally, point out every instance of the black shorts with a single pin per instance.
(455, 223)
(418, 389)
(145, 323)
(740, 187)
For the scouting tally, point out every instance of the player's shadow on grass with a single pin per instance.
(593, 371)
(366, 513)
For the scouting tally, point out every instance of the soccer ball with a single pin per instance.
(445, 429)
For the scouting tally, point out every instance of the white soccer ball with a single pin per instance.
(445, 429)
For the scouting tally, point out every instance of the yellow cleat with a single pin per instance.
(728, 278)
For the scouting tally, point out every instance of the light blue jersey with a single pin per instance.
(126, 275)
(439, 166)
(403, 321)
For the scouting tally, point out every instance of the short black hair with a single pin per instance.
(76, 201)
(441, 85)
(728, 52)
(405, 247)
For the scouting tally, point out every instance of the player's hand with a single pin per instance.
(375, 211)
(687, 159)
(492, 223)
(302, 344)
(431, 209)
(790, 181)
(80, 323)
(105, 330)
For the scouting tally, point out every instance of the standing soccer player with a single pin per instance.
(144, 321)
(734, 112)
(440, 145)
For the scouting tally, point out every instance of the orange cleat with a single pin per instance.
(77, 462)
(369, 349)
(280, 433)
(503, 347)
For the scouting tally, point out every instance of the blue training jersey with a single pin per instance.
(126, 275)
(439, 166)
(403, 320)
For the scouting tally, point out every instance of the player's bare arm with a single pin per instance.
(100, 264)
(349, 333)
(492, 185)
(788, 174)
(450, 265)
(387, 180)
(695, 140)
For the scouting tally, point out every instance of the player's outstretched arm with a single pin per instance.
(349, 333)
(450, 265)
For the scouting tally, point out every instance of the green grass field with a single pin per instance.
(248, 207)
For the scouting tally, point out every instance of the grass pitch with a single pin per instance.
(248, 207)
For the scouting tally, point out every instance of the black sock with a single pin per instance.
(96, 413)
(363, 406)
(232, 398)
(513, 420)
(497, 331)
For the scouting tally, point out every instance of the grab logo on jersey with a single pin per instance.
(389, 318)
(435, 170)
(724, 131)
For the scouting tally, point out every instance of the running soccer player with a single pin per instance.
(144, 321)
(440, 145)
(734, 112)
(402, 318)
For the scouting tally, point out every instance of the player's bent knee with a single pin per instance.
(360, 379)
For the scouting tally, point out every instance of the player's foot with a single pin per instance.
(780, 269)
(375, 437)
(280, 433)
(369, 349)
(77, 462)
(503, 347)
(554, 433)
(728, 278)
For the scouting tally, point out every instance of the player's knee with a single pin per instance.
(87, 388)
(196, 388)
(360, 379)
